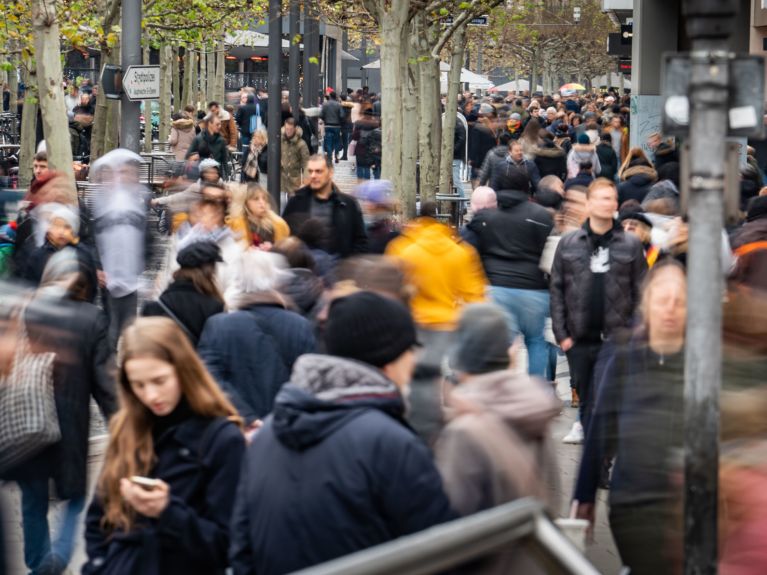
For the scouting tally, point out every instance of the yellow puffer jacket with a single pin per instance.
(445, 273)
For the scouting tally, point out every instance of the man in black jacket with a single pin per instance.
(510, 242)
(595, 283)
(209, 144)
(339, 213)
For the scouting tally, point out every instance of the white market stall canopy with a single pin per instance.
(443, 66)
(250, 39)
(615, 81)
(475, 81)
(515, 86)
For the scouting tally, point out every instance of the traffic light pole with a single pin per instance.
(708, 26)
(130, 55)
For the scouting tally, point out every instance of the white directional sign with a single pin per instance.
(142, 83)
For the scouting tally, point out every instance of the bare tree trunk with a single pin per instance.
(393, 25)
(451, 105)
(210, 80)
(203, 100)
(147, 109)
(51, 93)
(28, 126)
(112, 132)
(220, 64)
(178, 104)
(13, 80)
(189, 63)
(166, 78)
(103, 107)
(429, 129)
(409, 104)
(197, 58)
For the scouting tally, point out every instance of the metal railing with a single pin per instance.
(523, 524)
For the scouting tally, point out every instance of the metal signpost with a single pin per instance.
(708, 94)
(142, 83)
(274, 111)
(130, 47)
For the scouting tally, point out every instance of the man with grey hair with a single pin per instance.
(482, 198)
(250, 352)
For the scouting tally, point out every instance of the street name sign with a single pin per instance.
(142, 83)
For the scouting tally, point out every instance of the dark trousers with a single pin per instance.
(581, 359)
(346, 132)
(647, 536)
(121, 310)
(332, 142)
(245, 148)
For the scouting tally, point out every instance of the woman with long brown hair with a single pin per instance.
(253, 219)
(165, 495)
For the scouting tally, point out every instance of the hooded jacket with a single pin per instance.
(637, 181)
(580, 154)
(494, 449)
(181, 137)
(511, 240)
(445, 273)
(608, 161)
(208, 145)
(295, 155)
(551, 161)
(335, 469)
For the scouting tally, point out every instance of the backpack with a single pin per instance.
(371, 140)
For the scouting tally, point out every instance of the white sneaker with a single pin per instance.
(576, 434)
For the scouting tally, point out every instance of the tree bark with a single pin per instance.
(189, 62)
(178, 104)
(451, 105)
(203, 91)
(51, 93)
(166, 55)
(210, 81)
(429, 128)
(13, 80)
(408, 174)
(220, 79)
(393, 24)
(28, 127)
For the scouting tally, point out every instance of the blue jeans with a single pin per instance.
(39, 552)
(528, 310)
(365, 172)
(332, 143)
(245, 148)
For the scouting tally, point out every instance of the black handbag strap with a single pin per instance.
(175, 318)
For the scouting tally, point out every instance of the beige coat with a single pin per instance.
(181, 136)
(494, 450)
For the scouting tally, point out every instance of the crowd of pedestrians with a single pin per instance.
(306, 383)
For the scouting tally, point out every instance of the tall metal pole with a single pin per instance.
(294, 56)
(709, 25)
(364, 60)
(130, 54)
(274, 89)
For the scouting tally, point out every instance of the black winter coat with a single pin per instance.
(77, 332)
(327, 477)
(347, 235)
(38, 258)
(251, 352)
(243, 116)
(608, 161)
(637, 182)
(498, 161)
(510, 241)
(571, 279)
(208, 145)
(190, 306)
(481, 141)
(551, 161)
(200, 459)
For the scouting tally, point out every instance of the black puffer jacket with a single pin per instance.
(551, 161)
(571, 283)
(511, 240)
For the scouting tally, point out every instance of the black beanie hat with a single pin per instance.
(369, 328)
(757, 208)
(482, 340)
(198, 254)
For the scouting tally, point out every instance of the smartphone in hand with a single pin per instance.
(145, 483)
